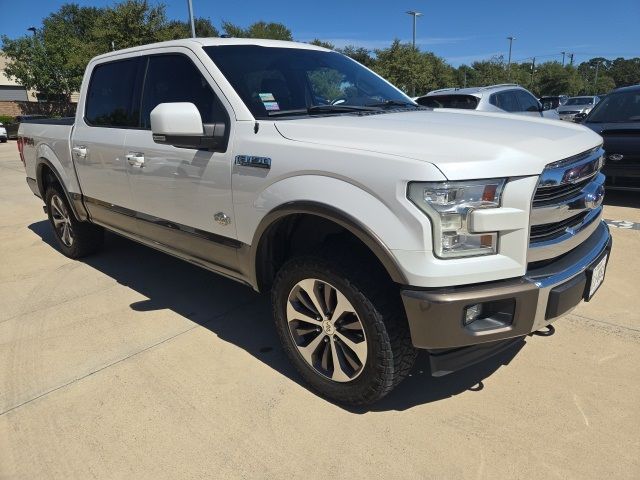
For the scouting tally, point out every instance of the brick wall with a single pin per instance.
(10, 108)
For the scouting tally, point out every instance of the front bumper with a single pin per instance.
(521, 305)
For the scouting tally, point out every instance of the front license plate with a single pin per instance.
(597, 276)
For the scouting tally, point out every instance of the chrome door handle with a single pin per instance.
(135, 159)
(81, 151)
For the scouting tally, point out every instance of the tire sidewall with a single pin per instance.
(378, 345)
(68, 251)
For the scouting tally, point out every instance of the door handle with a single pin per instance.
(81, 151)
(135, 159)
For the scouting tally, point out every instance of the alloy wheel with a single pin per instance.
(327, 330)
(61, 220)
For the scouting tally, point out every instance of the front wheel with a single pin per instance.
(348, 340)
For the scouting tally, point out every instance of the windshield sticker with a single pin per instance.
(270, 106)
(267, 97)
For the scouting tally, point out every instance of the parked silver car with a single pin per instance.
(505, 98)
(576, 105)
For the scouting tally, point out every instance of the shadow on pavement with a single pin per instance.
(238, 315)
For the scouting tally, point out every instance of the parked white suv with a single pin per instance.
(3, 133)
(378, 226)
(505, 98)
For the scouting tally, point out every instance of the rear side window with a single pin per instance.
(174, 78)
(528, 102)
(449, 101)
(111, 98)
(507, 101)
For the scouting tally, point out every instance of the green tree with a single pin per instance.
(176, 29)
(625, 72)
(404, 66)
(321, 43)
(359, 54)
(554, 79)
(273, 31)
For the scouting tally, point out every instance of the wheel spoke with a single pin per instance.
(293, 314)
(339, 375)
(359, 349)
(342, 306)
(309, 286)
(308, 351)
(57, 221)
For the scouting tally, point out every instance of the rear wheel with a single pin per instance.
(76, 239)
(348, 340)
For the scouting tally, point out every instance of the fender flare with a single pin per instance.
(74, 199)
(345, 220)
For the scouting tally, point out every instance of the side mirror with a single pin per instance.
(180, 124)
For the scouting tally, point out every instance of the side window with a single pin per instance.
(527, 102)
(111, 97)
(174, 78)
(506, 101)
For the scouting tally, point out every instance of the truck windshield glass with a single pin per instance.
(279, 81)
(617, 108)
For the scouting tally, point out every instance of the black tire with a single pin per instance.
(377, 303)
(86, 238)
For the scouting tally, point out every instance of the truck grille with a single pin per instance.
(566, 206)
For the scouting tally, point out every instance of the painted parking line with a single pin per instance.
(623, 224)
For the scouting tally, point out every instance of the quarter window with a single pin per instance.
(174, 78)
(111, 97)
(507, 101)
(527, 102)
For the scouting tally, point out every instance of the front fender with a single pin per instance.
(369, 218)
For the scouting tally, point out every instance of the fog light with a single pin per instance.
(472, 313)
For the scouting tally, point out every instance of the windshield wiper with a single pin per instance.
(341, 108)
(322, 109)
(393, 103)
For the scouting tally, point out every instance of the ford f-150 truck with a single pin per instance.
(379, 226)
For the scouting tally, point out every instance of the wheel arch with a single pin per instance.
(282, 219)
(47, 174)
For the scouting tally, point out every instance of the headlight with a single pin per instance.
(448, 205)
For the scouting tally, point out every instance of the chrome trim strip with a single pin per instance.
(592, 192)
(572, 170)
(566, 242)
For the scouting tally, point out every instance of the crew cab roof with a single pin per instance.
(215, 41)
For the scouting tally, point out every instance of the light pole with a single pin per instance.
(415, 15)
(563, 54)
(571, 57)
(595, 82)
(32, 30)
(193, 27)
(511, 39)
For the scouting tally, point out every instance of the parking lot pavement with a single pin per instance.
(132, 364)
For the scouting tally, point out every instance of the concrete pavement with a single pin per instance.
(132, 364)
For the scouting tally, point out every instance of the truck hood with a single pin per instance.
(463, 144)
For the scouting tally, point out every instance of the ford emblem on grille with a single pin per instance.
(594, 199)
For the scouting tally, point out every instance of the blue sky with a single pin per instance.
(461, 32)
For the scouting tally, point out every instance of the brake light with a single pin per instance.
(21, 149)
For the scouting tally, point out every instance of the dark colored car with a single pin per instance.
(12, 128)
(617, 119)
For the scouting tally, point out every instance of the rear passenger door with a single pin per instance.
(505, 100)
(110, 107)
(180, 193)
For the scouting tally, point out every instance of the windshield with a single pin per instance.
(617, 108)
(449, 101)
(579, 101)
(280, 81)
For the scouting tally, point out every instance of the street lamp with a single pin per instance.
(32, 30)
(511, 39)
(415, 15)
(193, 27)
(563, 54)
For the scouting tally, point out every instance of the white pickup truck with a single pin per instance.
(380, 227)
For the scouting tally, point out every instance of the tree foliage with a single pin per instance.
(272, 31)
